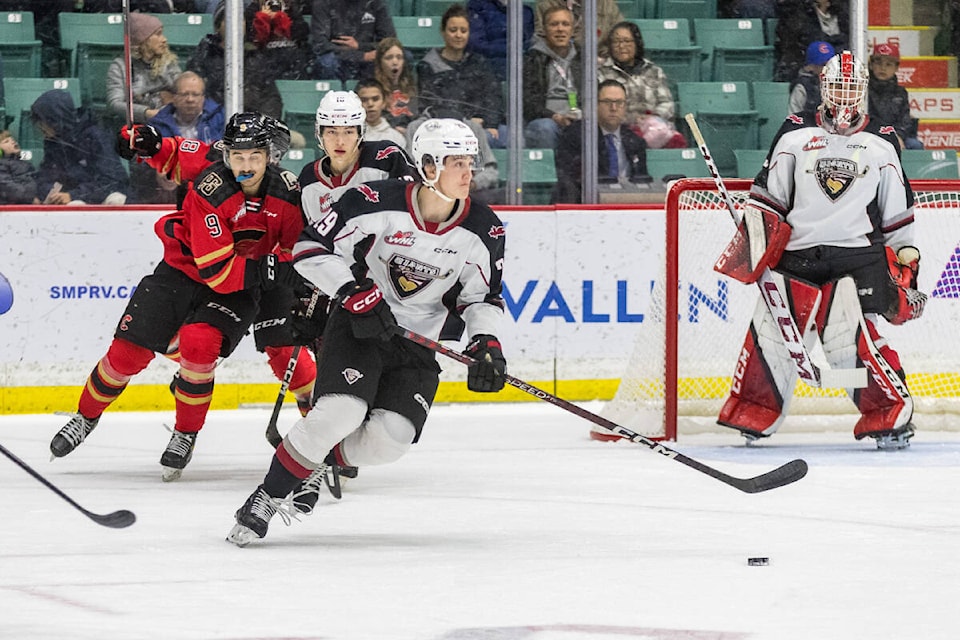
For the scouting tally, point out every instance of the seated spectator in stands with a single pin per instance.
(373, 97)
(260, 91)
(621, 153)
(650, 106)
(393, 72)
(80, 165)
(805, 92)
(801, 22)
(454, 83)
(488, 32)
(887, 101)
(154, 69)
(345, 34)
(18, 178)
(608, 14)
(283, 38)
(552, 73)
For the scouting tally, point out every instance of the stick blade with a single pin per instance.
(116, 520)
(781, 476)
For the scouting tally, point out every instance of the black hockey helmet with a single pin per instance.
(248, 130)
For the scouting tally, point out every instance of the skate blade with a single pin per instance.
(170, 474)
(892, 443)
(241, 535)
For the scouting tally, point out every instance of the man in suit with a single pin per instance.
(621, 153)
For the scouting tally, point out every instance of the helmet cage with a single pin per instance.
(436, 140)
(843, 90)
(340, 109)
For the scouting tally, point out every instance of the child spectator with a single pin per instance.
(805, 92)
(888, 101)
(373, 97)
(18, 178)
(393, 72)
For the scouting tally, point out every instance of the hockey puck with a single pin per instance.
(758, 562)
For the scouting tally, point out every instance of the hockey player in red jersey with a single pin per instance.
(844, 258)
(421, 255)
(229, 242)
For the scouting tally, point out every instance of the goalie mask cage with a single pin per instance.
(679, 371)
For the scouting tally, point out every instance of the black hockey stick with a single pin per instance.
(115, 520)
(272, 435)
(783, 475)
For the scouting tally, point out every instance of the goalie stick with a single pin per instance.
(782, 475)
(809, 372)
(115, 520)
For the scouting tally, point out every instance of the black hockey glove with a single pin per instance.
(486, 374)
(275, 273)
(146, 141)
(369, 312)
(310, 318)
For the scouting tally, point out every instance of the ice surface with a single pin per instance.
(504, 523)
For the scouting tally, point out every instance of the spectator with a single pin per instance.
(454, 83)
(259, 88)
(18, 178)
(488, 32)
(621, 156)
(801, 22)
(888, 101)
(393, 72)
(551, 80)
(79, 164)
(805, 92)
(283, 38)
(345, 34)
(154, 69)
(608, 14)
(650, 106)
(373, 97)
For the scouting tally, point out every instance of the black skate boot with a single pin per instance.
(71, 435)
(307, 493)
(253, 518)
(177, 455)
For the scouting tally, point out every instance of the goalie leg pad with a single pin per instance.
(766, 373)
(758, 244)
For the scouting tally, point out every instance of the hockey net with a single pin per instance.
(678, 374)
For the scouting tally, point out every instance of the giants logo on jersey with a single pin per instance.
(410, 276)
(400, 238)
(835, 175)
(368, 193)
(387, 152)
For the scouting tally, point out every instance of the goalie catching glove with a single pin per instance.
(369, 312)
(146, 141)
(758, 244)
(907, 303)
(486, 374)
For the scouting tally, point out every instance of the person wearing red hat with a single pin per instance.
(887, 100)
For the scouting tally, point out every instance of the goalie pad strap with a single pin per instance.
(758, 244)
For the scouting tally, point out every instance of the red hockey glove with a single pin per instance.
(146, 141)
(486, 374)
(369, 312)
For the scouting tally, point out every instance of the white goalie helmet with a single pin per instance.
(843, 91)
(340, 109)
(438, 138)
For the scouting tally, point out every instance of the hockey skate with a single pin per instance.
(253, 518)
(71, 435)
(307, 493)
(895, 440)
(177, 455)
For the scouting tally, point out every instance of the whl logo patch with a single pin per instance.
(835, 175)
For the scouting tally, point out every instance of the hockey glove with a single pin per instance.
(275, 273)
(310, 318)
(146, 141)
(486, 374)
(369, 312)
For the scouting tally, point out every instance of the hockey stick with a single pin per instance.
(115, 520)
(272, 435)
(783, 475)
(128, 65)
(809, 372)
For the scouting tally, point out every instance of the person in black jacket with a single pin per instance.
(621, 153)
(888, 101)
(345, 34)
(18, 183)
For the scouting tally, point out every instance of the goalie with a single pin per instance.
(832, 213)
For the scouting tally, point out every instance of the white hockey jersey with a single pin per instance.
(838, 190)
(434, 276)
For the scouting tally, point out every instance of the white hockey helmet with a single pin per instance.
(340, 109)
(438, 138)
(843, 91)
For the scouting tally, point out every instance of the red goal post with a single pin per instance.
(679, 371)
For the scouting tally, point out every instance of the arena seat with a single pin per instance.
(733, 49)
(20, 94)
(19, 46)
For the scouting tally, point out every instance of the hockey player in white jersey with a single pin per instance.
(831, 212)
(421, 255)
